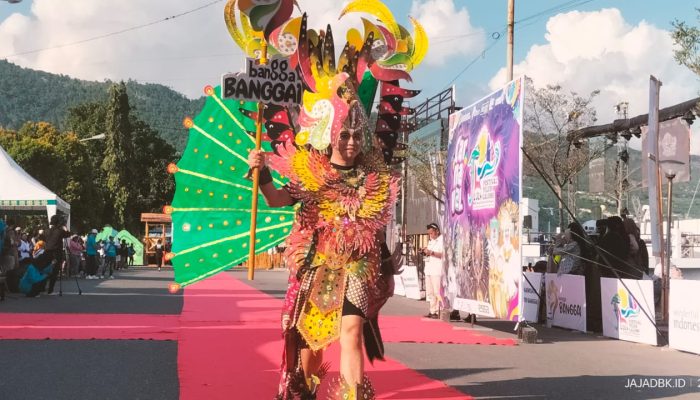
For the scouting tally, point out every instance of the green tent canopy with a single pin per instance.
(138, 246)
(108, 231)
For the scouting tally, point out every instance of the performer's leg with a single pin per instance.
(351, 359)
(311, 362)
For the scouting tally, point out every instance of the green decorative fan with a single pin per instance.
(211, 207)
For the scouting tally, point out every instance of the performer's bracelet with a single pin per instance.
(264, 176)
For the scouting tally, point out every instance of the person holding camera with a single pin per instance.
(54, 248)
(433, 269)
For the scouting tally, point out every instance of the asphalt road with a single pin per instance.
(562, 365)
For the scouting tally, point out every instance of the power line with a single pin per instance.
(518, 25)
(113, 33)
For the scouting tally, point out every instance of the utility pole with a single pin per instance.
(509, 50)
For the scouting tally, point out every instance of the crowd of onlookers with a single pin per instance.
(57, 251)
(614, 250)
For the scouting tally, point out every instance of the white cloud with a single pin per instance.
(450, 31)
(586, 51)
(185, 53)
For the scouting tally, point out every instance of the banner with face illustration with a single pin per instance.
(482, 235)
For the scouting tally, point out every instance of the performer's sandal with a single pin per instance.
(341, 390)
(296, 387)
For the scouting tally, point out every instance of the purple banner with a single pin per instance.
(482, 235)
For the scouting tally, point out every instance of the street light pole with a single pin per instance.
(667, 267)
(670, 171)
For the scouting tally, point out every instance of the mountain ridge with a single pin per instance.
(43, 96)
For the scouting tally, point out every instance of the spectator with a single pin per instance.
(54, 247)
(131, 253)
(110, 250)
(159, 253)
(38, 249)
(614, 246)
(571, 248)
(25, 248)
(75, 250)
(91, 254)
(123, 254)
(118, 257)
(433, 269)
(10, 244)
(601, 227)
(673, 273)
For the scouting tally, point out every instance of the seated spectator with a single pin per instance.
(673, 273)
(38, 249)
(570, 249)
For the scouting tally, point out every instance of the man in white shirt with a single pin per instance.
(433, 269)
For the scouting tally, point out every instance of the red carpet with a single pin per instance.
(420, 330)
(229, 342)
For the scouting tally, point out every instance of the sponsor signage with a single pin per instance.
(473, 307)
(532, 290)
(566, 301)
(627, 306)
(684, 315)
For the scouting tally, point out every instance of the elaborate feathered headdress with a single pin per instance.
(382, 54)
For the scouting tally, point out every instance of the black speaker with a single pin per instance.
(527, 222)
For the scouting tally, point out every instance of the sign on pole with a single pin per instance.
(274, 82)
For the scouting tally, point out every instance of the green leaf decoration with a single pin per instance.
(211, 209)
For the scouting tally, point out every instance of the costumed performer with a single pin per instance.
(343, 187)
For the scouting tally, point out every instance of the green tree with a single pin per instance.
(687, 39)
(155, 186)
(118, 157)
(550, 114)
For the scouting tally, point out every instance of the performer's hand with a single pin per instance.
(286, 322)
(256, 159)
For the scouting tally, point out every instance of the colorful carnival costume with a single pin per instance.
(335, 247)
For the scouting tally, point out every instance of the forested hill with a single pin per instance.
(29, 95)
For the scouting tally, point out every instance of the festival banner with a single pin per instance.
(684, 315)
(532, 290)
(627, 307)
(482, 216)
(566, 301)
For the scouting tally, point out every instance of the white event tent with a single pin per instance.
(19, 191)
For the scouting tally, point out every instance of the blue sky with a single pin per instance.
(611, 45)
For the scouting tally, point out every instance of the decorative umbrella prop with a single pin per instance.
(211, 209)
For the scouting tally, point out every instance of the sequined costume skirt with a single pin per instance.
(320, 304)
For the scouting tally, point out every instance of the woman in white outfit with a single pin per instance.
(433, 269)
